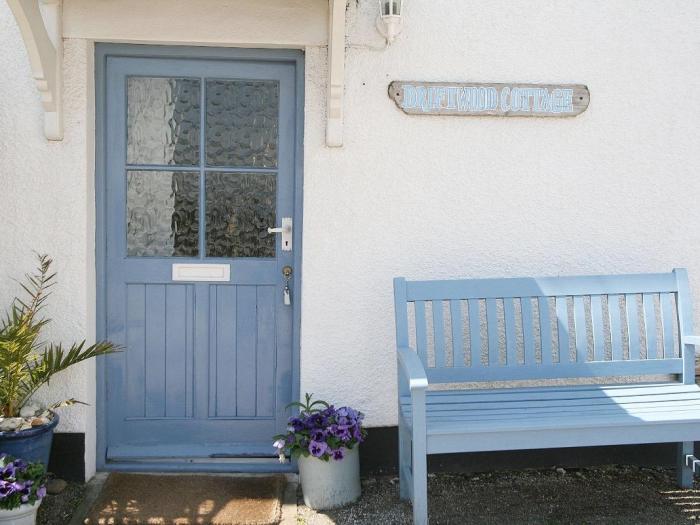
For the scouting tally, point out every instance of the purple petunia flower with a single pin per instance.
(357, 433)
(338, 454)
(317, 448)
(41, 492)
(296, 424)
(343, 433)
(9, 471)
(6, 489)
(318, 435)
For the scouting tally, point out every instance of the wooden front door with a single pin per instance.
(199, 163)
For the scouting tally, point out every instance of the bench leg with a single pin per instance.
(404, 462)
(420, 479)
(684, 473)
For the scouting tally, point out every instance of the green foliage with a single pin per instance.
(27, 362)
(308, 407)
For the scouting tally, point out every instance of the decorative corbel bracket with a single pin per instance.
(39, 22)
(336, 73)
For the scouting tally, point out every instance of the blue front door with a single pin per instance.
(199, 163)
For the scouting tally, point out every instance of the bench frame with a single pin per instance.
(414, 375)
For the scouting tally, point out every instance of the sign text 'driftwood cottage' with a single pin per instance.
(480, 99)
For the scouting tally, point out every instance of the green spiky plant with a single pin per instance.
(27, 362)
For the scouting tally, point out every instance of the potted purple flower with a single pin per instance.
(22, 487)
(325, 441)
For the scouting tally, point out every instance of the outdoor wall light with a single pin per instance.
(389, 21)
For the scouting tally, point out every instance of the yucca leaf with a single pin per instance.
(26, 362)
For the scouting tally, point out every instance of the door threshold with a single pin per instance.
(203, 465)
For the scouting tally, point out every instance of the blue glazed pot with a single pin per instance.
(33, 444)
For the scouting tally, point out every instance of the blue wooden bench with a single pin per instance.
(465, 331)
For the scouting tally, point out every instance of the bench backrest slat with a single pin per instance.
(667, 320)
(528, 335)
(649, 320)
(545, 335)
(439, 334)
(531, 328)
(474, 333)
(457, 343)
(598, 328)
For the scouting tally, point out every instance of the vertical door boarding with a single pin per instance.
(198, 182)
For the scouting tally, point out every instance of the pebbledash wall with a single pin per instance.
(615, 189)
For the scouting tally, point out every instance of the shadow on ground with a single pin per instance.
(618, 495)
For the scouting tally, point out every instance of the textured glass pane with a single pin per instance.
(163, 116)
(242, 123)
(240, 208)
(162, 210)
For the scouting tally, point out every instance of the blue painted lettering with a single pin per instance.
(505, 105)
(409, 97)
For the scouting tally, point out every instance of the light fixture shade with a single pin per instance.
(389, 21)
(390, 7)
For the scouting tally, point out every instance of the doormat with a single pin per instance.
(162, 499)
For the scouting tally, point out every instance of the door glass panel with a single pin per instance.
(239, 209)
(163, 116)
(162, 213)
(242, 123)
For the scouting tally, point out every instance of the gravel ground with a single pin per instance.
(616, 495)
(57, 510)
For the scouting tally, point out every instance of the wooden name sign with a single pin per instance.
(498, 100)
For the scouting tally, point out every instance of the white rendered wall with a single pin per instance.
(613, 190)
(47, 205)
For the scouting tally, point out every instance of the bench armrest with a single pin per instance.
(411, 365)
(691, 340)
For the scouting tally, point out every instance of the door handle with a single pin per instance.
(286, 231)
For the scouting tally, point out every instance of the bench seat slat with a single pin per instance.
(580, 410)
(559, 422)
(511, 404)
(683, 411)
(557, 392)
(603, 431)
(498, 415)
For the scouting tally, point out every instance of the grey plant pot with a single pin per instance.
(331, 484)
